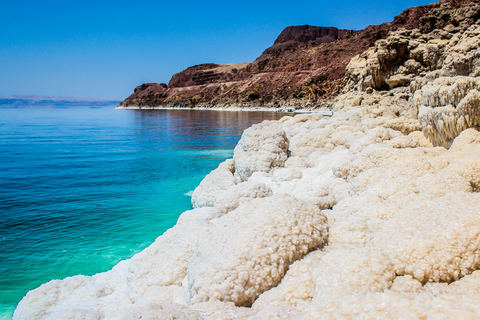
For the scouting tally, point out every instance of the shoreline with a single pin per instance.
(234, 109)
(176, 273)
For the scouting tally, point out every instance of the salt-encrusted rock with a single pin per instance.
(413, 140)
(445, 251)
(406, 284)
(286, 174)
(394, 305)
(469, 283)
(164, 311)
(323, 190)
(440, 64)
(164, 262)
(387, 175)
(234, 196)
(371, 69)
(406, 55)
(77, 314)
(216, 181)
(326, 276)
(77, 297)
(447, 106)
(339, 273)
(262, 147)
(249, 249)
(403, 231)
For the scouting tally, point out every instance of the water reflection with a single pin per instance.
(195, 129)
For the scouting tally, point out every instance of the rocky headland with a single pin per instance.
(371, 213)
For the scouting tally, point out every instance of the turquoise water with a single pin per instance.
(83, 188)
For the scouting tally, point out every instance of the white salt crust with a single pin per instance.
(262, 147)
(216, 181)
(270, 234)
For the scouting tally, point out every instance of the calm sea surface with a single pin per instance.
(83, 188)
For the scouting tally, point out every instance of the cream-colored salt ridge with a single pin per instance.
(372, 213)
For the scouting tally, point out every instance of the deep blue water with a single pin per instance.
(83, 188)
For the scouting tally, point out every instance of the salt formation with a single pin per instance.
(271, 233)
(441, 67)
(231, 198)
(216, 181)
(262, 147)
(361, 215)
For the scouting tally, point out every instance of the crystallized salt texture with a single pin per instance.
(164, 262)
(248, 250)
(262, 147)
(406, 284)
(403, 215)
(163, 310)
(447, 106)
(327, 276)
(446, 250)
(231, 198)
(216, 181)
(77, 297)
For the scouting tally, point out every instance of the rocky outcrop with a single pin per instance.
(153, 92)
(437, 66)
(303, 68)
(406, 54)
(296, 37)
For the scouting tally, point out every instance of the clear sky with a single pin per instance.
(106, 48)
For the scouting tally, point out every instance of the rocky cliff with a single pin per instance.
(434, 68)
(303, 67)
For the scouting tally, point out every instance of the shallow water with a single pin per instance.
(83, 188)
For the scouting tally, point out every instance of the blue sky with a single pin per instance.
(106, 48)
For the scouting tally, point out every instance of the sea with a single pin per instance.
(82, 188)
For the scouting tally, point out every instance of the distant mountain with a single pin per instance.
(48, 101)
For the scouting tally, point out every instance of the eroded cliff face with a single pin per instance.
(304, 67)
(358, 215)
(435, 68)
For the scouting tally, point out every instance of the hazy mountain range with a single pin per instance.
(51, 101)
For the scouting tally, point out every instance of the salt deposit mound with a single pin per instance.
(262, 148)
(371, 213)
(215, 182)
(270, 234)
